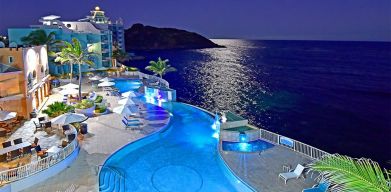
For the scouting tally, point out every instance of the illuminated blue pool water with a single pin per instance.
(253, 146)
(183, 157)
(124, 85)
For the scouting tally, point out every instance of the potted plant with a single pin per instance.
(100, 110)
(58, 108)
(85, 106)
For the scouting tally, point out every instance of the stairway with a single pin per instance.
(111, 179)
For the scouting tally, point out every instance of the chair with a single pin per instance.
(18, 141)
(6, 144)
(35, 142)
(40, 119)
(41, 152)
(71, 137)
(3, 157)
(48, 124)
(26, 150)
(3, 133)
(37, 126)
(293, 174)
(15, 153)
(321, 187)
(64, 143)
(65, 128)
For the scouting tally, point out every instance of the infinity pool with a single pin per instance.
(124, 85)
(183, 157)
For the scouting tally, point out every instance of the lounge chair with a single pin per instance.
(132, 123)
(292, 174)
(321, 187)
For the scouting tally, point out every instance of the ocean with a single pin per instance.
(335, 96)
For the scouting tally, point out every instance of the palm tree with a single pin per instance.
(39, 37)
(120, 56)
(73, 53)
(160, 67)
(349, 174)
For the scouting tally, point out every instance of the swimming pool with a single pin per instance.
(252, 146)
(183, 157)
(124, 85)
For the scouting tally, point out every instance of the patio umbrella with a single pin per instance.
(126, 101)
(129, 94)
(94, 78)
(106, 84)
(106, 79)
(101, 69)
(69, 91)
(6, 115)
(126, 109)
(69, 86)
(68, 118)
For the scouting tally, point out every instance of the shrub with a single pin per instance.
(100, 109)
(131, 69)
(99, 99)
(84, 104)
(57, 108)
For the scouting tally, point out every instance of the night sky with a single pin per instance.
(367, 20)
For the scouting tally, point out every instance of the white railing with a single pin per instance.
(142, 75)
(37, 166)
(160, 80)
(297, 146)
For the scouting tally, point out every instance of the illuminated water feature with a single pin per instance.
(183, 157)
(124, 85)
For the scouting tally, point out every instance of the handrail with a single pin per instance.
(34, 167)
(298, 146)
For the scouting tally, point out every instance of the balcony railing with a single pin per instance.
(34, 167)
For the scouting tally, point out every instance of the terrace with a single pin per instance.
(258, 169)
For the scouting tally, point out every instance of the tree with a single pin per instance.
(73, 53)
(120, 56)
(160, 67)
(349, 174)
(39, 37)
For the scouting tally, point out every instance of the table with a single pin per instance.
(14, 147)
(53, 150)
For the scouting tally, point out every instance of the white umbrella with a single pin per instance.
(126, 101)
(126, 109)
(6, 115)
(94, 78)
(129, 94)
(106, 79)
(69, 86)
(68, 118)
(106, 84)
(69, 91)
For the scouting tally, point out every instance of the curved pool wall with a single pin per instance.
(185, 151)
(125, 84)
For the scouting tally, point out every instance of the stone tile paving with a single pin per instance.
(260, 170)
(106, 135)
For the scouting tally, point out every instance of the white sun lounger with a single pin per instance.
(293, 174)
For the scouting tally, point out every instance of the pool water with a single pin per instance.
(124, 85)
(183, 157)
(252, 146)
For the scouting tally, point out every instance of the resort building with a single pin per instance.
(24, 79)
(94, 33)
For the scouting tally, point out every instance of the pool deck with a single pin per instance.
(106, 134)
(260, 170)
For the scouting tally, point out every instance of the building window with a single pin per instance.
(10, 59)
